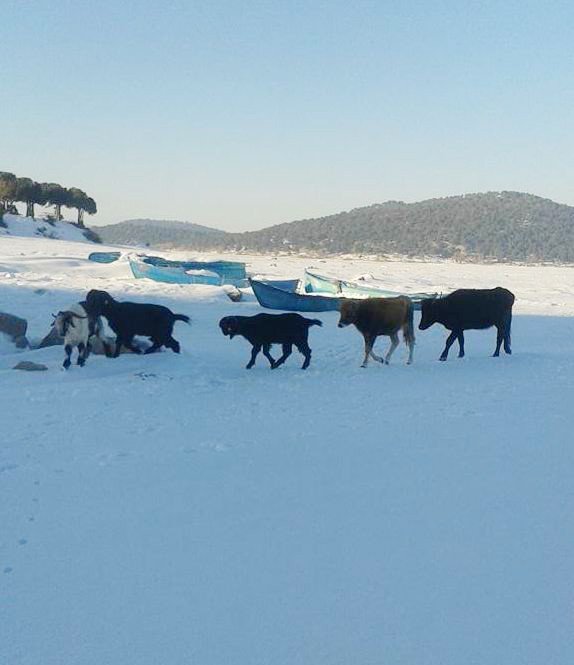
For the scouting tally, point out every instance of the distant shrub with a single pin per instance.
(91, 235)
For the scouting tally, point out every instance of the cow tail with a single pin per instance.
(409, 326)
(181, 317)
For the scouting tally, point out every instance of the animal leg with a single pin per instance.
(82, 354)
(306, 351)
(287, 349)
(507, 336)
(267, 354)
(394, 344)
(499, 339)
(67, 362)
(369, 341)
(461, 344)
(173, 344)
(254, 351)
(155, 346)
(374, 356)
(411, 345)
(119, 342)
(449, 342)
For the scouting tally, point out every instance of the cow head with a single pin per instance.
(229, 326)
(349, 310)
(428, 313)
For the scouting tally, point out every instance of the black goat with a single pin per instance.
(263, 330)
(128, 319)
(470, 309)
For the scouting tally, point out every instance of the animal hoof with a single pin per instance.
(385, 362)
(442, 359)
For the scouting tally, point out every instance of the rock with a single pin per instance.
(21, 342)
(233, 293)
(51, 339)
(29, 366)
(13, 326)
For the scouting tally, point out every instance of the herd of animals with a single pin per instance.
(464, 309)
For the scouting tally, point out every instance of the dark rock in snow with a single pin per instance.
(29, 366)
(13, 326)
(51, 339)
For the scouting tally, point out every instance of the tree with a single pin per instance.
(55, 195)
(30, 193)
(90, 207)
(82, 202)
(7, 189)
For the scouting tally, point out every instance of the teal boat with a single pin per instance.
(104, 257)
(320, 284)
(170, 274)
(188, 272)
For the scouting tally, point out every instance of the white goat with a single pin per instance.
(79, 330)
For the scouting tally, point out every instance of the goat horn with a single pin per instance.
(78, 316)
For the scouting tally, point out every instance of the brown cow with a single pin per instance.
(381, 316)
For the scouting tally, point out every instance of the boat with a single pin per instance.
(188, 272)
(104, 257)
(284, 295)
(315, 283)
(172, 274)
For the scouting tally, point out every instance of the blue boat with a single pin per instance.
(231, 272)
(283, 295)
(104, 257)
(188, 272)
(172, 274)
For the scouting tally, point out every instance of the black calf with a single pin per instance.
(263, 330)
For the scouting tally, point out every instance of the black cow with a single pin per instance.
(263, 330)
(470, 309)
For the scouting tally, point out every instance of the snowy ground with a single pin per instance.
(167, 510)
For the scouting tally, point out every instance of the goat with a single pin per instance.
(78, 328)
(470, 309)
(128, 319)
(380, 316)
(263, 330)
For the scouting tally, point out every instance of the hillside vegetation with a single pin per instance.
(494, 225)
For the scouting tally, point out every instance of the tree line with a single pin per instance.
(25, 190)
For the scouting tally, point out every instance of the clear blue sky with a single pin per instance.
(243, 114)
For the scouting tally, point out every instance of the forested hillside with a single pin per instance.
(494, 225)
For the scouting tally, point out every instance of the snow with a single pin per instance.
(179, 509)
(28, 227)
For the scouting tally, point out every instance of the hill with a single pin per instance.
(29, 227)
(490, 226)
(155, 232)
(494, 225)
